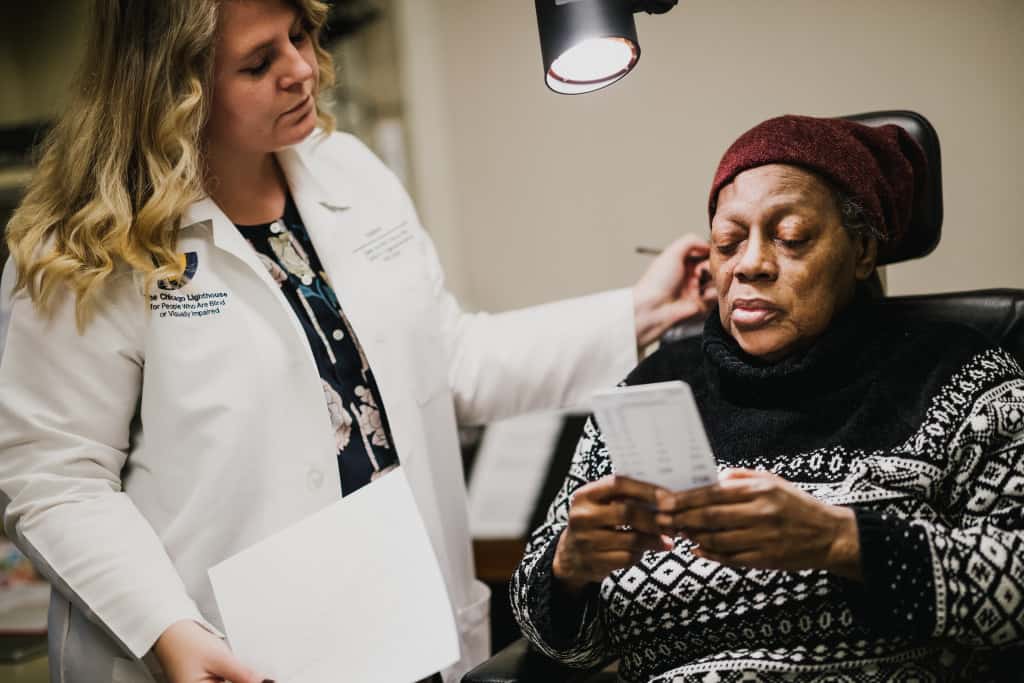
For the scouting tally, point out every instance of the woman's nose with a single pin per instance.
(757, 260)
(299, 70)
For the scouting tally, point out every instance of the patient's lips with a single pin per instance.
(750, 313)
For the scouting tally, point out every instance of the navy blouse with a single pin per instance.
(361, 431)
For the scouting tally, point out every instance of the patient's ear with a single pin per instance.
(866, 253)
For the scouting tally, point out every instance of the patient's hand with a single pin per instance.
(758, 519)
(611, 524)
(675, 287)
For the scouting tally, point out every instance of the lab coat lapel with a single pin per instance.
(334, 224)
(326, 213)
(226, 237)
(206, 214)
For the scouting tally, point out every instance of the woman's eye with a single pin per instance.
(259, 69)
(726, 248)
(298, 38)
(793, 244)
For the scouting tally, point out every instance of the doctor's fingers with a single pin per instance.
(690, 246)
(614, 515)
(229, 668)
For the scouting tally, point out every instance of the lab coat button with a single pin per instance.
(338, 335)
(275, 227)
(314, 479)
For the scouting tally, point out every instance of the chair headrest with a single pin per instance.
(926, 222)
(996, 313)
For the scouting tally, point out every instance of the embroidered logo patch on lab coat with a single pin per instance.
(190, 262)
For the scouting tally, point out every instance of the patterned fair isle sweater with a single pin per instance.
(920, 428)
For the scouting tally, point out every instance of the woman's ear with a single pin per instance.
(866, 247)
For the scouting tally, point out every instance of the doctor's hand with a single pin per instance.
(188, 653)
(611, 524)
(671, 290)
(757, 519)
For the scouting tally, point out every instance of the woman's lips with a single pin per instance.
(753, 313)
(299, 107)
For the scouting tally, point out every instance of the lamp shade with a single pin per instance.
(586, 44)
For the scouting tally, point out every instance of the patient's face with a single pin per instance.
(781, 260)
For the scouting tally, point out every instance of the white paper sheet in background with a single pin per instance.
(510, 467)
(352, 593)
(654, 433)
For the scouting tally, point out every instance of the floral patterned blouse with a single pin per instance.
(361, 431)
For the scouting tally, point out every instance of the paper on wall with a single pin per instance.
(511, 464)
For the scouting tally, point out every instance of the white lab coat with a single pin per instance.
(137, 455)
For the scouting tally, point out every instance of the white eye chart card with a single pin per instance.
(654, 434)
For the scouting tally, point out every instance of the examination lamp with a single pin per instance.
(590, 44)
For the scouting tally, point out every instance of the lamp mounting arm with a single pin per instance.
(653, 6)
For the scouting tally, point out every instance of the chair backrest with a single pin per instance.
(996, 313)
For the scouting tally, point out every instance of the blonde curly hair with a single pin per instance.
(125, 160)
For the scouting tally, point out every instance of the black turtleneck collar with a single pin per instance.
(831, 360)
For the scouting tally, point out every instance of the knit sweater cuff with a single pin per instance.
(559, 616)
(897, 596)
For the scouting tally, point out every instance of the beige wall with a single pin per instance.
(40, 44)
(532, 196)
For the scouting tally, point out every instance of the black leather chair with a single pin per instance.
(996, 313)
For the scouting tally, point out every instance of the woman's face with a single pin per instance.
(265, 78)
(781, 260)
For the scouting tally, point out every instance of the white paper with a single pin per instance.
(352, 593)
(509, 472)
(654, 434)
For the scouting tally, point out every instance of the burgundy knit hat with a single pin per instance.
(881, 167)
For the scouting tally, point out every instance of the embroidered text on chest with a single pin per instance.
(188, 305)
(385, 244)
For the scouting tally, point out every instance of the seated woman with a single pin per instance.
(868, 524)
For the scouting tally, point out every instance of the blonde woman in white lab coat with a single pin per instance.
(212, 300)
